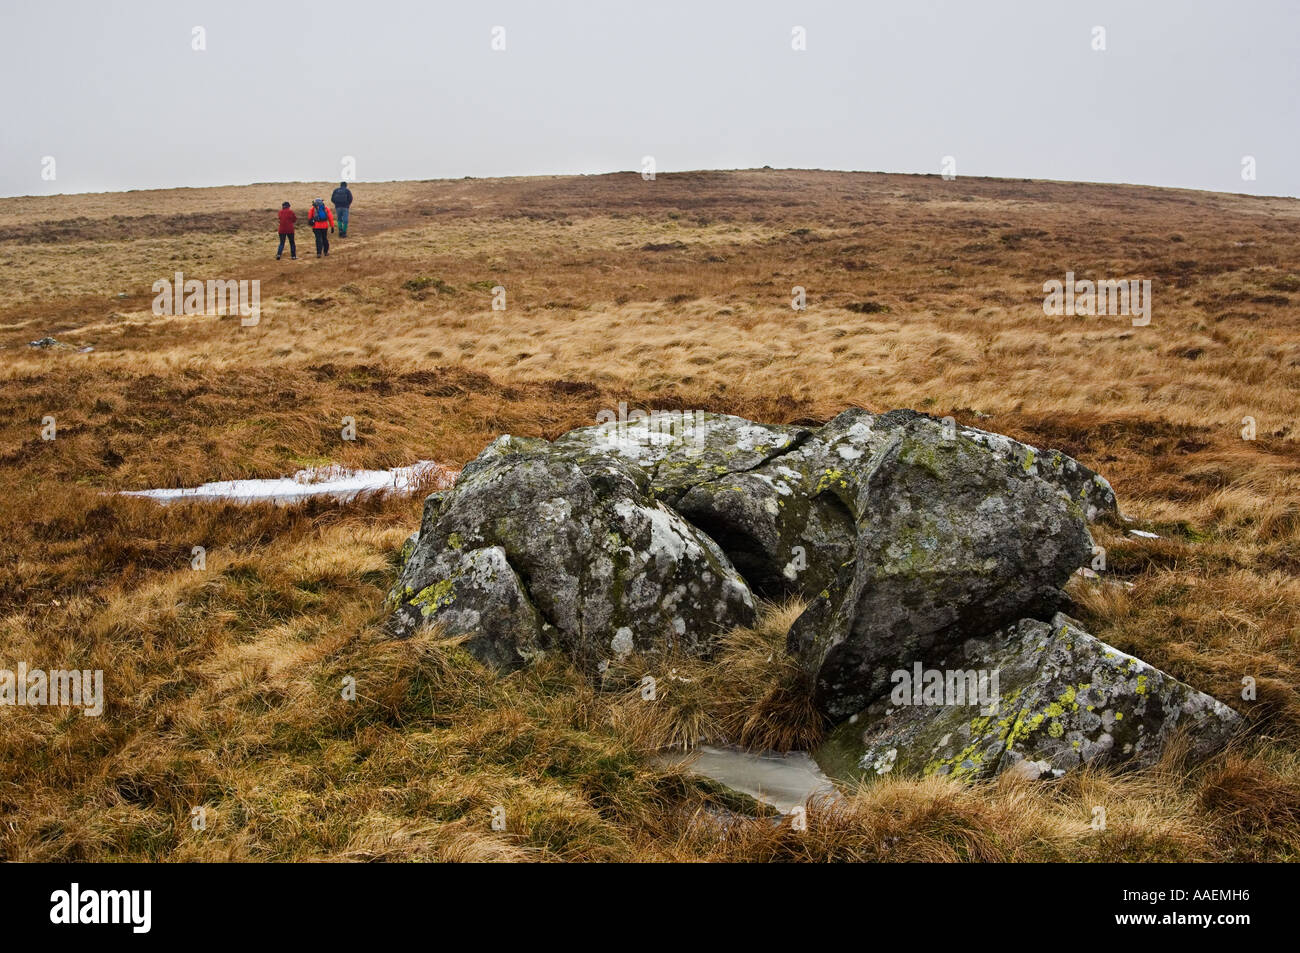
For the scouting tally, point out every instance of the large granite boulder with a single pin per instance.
(545, 547)
(955, 537)
(744, 484)
(781, 501)
(1091, 490)
(680, 449)
(1035, 698)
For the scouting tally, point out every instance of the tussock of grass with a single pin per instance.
(749, 693)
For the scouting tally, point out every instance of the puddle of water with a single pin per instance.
(336, 482)
(785, 781)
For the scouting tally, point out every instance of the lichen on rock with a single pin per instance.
(590, 552)
(1065, 698)
(953, 539)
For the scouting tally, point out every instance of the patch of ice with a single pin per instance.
(785, 781)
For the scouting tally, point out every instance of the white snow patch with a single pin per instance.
(1143, 533)
(333, 481)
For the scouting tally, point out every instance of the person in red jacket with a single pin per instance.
(321, 218)
(287, 221)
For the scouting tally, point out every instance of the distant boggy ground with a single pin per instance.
(225, 686)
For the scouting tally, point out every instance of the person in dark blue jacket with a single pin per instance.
(342, 199)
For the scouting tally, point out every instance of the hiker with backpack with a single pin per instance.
(342, 199)
(288, 219)
(320, 218)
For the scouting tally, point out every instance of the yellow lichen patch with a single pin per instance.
(432, 598)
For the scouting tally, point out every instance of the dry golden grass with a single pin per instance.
(224, 685)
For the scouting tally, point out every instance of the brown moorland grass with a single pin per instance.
(224, 686)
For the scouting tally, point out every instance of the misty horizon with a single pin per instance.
(194, 95)
(659, 173)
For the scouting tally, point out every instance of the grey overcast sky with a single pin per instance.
(412, 89)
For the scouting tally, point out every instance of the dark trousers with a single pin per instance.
(322, 240)
(293, 248)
